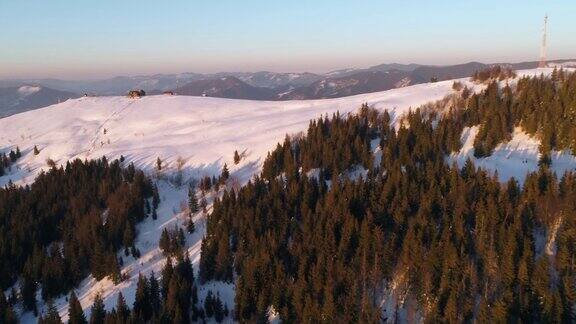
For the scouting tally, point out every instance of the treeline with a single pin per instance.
(70, 223)
(7, 160)
(542, 106)
(457, 243)
(493, 73)
(171, 299)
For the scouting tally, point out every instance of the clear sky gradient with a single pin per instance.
(102, 38)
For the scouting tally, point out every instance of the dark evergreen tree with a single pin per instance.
(236, 157)
(97, 312)
(122, 310)
(158, 164)
(142, 306)
(75, 312)
(7, 314)
(154, 295)
(28, 293)
(51, 316)
(192, 201)
(225, 174)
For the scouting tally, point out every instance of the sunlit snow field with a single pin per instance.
(194, 137)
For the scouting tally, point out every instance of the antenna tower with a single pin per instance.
(543, 49)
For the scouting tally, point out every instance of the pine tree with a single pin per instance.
(155, 197)
(75, 312)
(51, 316)
(28, 293)
(209, 305)
(12, 156)
(122, 310)
(98, 312)
(7, 314)
(142, 307)
(158, 164)
(194, 208)
(167, 273)
(154, 293)
(164, 242)
(192, 201)
(236, 157)
(225, 174)
(128, 237)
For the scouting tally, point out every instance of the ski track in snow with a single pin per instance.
(204, 132)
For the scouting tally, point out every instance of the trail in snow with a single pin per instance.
(101, 128)
(204, 132)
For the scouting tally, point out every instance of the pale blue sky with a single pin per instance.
(100, 38)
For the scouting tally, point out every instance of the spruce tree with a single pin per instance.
(167, 273)
(155, 197)
(209, 305)
(236, 157)
(142, 307)
(154, 294)
(164, 242)
(97, 312)
(225, 174)
(28, 293)
(192, 201)
(158, 164)
(51, 316)
(122, 310)
(75, 312)
(7, 314)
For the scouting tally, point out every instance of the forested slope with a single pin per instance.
(456, 244)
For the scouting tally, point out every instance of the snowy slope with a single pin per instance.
(515, 158)
(201, 132)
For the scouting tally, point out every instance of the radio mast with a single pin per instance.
(543, 49)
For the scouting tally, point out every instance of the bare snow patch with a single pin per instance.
(27, 90)
(513, 159)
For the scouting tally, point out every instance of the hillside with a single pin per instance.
(195, 137)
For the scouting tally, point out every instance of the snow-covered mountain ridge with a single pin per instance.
(197, 135)
(203, 131)
(200, 132)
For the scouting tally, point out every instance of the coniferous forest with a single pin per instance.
(355, 211)
(68, 224)
(316, 245)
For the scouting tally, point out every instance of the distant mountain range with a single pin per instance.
(340, 83)
(242, 85)
(15, 100)
(226, 87)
